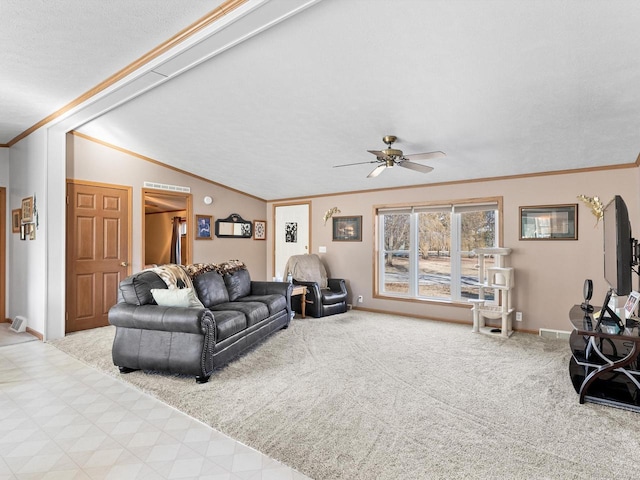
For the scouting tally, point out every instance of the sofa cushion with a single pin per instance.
(238, 284)
(136, 289)
(275, 303)
(176, 297)
(228, 323)
(255, 312)
(211, 289)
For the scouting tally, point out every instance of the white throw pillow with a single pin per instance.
(176, 297)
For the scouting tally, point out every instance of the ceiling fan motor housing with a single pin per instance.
(392, 152)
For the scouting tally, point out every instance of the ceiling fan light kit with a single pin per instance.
(389, 157)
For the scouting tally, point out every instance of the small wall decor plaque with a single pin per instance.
(16, 220)
(203, 227)
(259, 230)
(27, 210)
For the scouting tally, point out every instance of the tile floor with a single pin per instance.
(8, 337)
(60, 419)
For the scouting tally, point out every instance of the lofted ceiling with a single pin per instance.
(504, 88)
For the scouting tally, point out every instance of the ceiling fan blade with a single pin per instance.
(378, 153)
(358, 163)
(415, 166)
(425, 156)
(377, 171)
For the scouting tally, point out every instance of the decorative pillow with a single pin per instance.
(231, 266)
(196, 269)
(238, 284)
(176, 297)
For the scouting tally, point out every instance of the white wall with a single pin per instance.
(26, 284)
(4, 182)
(4, 167)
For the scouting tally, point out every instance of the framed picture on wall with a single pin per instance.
(259, 230)
(16, 220)
(27, 210)
(549, 222)
(203, 227)
(347, 229)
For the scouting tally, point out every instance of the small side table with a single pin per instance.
(301, 290)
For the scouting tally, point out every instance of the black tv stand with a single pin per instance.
(608, 316)
(604, 367)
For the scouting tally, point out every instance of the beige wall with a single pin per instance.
(91, 161)
(549, 274)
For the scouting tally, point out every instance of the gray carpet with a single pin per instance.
(372, 396)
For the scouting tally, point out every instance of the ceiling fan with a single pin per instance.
(390, 157)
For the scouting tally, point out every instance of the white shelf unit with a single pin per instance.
(499, 279)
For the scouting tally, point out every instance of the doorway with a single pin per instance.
(166, 232)
(292, 233)
(98, 251)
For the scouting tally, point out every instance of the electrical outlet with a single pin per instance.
(360, 299)
(518, 316)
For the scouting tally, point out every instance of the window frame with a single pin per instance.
(378, 254)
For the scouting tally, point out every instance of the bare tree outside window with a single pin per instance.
(436, 258)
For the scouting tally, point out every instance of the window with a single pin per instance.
(426, 251)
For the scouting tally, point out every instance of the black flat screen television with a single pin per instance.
(619, 258)
(618, 246)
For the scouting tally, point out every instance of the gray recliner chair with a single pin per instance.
(325, 296)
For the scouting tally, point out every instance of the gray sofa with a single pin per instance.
(233, 313)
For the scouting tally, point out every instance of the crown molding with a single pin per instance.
(216, 14)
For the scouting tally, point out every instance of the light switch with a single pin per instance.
(322, 249)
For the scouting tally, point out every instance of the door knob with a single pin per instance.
(124, 264)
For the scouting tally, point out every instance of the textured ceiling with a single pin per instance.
(504, 88)
(54, 51)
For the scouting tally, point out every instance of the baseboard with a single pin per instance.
(554, 334)
(446, 320)
(33, 332)
(36, 334)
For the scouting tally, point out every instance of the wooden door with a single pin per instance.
(97, 251)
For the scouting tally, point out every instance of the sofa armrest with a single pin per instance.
(167, 319)
(270, 288)
(337, 285)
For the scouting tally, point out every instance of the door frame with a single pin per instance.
(189, 209)
(274, 229)
(129, 190)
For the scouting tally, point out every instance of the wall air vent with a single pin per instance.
(19, 324)
(554, 334)
(168, 188)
